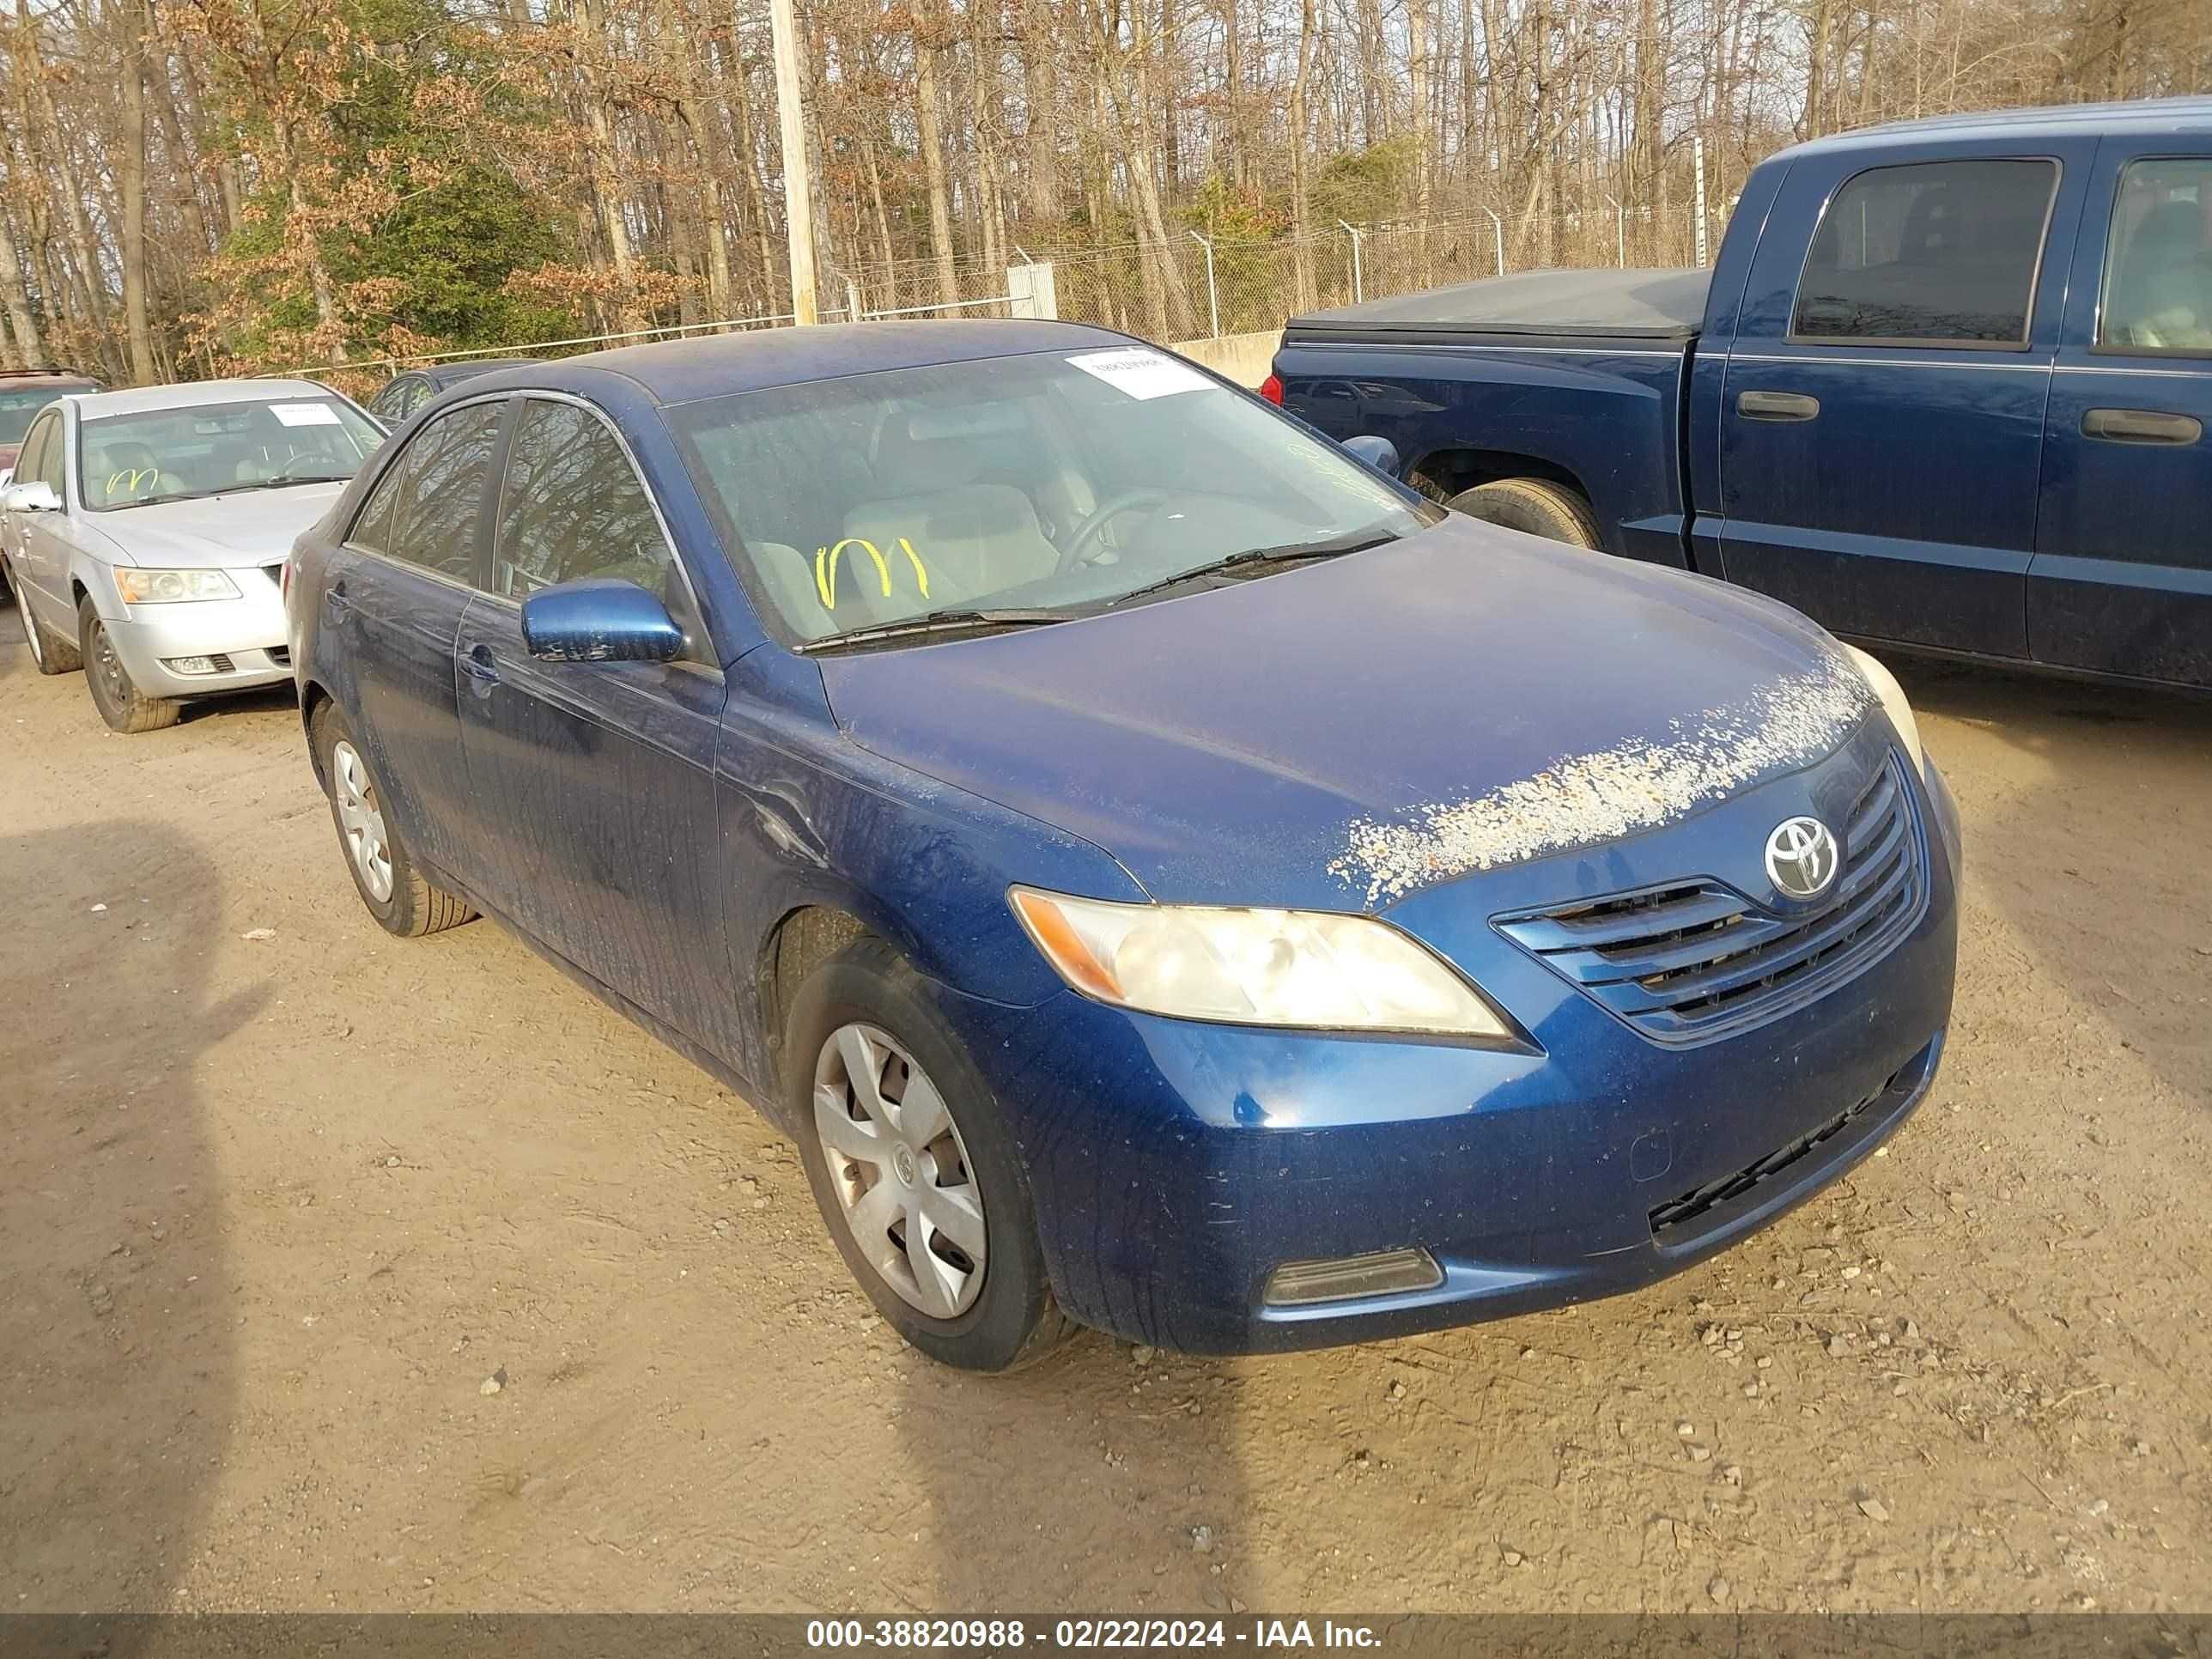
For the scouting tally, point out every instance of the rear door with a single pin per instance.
(396, 598)
(595, 781)
(2122, 580)
(1881, 421)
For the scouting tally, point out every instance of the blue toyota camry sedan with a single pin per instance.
(1167, 876)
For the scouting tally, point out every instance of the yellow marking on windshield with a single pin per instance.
(920, 575)
(131, 478)
(825, 569)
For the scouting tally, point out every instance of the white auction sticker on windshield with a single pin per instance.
(306, 414)
(1141, 373)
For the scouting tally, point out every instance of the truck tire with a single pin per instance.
(1536, 507)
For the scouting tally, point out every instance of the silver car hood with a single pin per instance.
(247, 527)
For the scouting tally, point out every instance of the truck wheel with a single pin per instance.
(1535, 507)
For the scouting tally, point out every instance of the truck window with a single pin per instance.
(2158, 259)
(1935, 253)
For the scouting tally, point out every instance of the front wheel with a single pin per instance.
(403, 901)
(914, 1166)
(114, 693)
(1536, 507)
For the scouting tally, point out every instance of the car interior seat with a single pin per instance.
(127, 472)
(971, 538)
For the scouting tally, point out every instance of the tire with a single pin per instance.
(408, 906)
(48, 655)
(121, 704)
(1010, 1319)
(1535, 507)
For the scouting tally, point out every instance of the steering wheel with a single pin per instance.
(1079, 548)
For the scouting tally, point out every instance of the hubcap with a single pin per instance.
(361, 821)
(108, 667)
(901, 1173)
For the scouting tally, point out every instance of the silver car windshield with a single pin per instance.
(211, 449)
(1053, 482)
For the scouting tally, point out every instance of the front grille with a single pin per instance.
(1693, 960)
(1668, 1219)
(219, 663)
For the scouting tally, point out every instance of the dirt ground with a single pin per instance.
(274, 1209)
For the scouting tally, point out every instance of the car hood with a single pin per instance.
(248, 528)
(1343, 734)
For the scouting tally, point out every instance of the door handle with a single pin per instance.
(478, 665)
(1776, 406)
(335, 600)
(2140, 426)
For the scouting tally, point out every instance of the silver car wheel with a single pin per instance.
(902, 1177)
(30, 628)
(361, 821)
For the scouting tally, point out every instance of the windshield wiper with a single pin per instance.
(1291, 553)
(949, 621)
(281, 482)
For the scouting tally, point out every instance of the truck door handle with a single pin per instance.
(2140, 426)
(1776, 406)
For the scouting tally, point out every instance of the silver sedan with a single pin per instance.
(145, 533)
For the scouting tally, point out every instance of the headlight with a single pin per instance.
(1303, 968)
(140, 586)
(1894, 701)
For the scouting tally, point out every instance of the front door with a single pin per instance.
(2121, 581)
(595, 781)
(37, 548)
(398, 596)
(1882, 421)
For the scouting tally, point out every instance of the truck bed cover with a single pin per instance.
(1626, 306)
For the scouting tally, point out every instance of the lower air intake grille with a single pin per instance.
(1693, 960)
(1668, 1219)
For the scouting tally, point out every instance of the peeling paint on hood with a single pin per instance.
(1638, 785)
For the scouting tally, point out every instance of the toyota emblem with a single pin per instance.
(1802, 858)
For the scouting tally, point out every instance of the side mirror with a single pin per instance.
(35, 496)
(1378, 453)
(600, 620)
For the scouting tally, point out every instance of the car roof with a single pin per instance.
(2150, 116)
(73, 376)
(685, 371)
(192, 394)
(442, 375)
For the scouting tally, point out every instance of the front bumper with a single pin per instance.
(1175, 1165)
(244, 638)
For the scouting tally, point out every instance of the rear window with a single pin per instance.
(20, 403)
(1936, 253)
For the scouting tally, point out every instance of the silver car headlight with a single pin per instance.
(139, 586)
(1894, 702)
(1310, 968)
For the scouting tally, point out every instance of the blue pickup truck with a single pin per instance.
(1945, 388)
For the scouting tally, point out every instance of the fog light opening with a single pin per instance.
(189, 665)
(1346, 1278)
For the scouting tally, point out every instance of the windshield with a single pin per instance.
(1059, 481)
(16, 407)
(209, 449)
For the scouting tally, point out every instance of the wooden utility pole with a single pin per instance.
(798, 191)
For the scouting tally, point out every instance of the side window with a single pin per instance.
(1937, 252)
(53, 459)
(2158, 259)
(37, 444)
(424, 510)
(572, 507)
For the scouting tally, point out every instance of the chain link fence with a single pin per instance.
(1195, 287)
